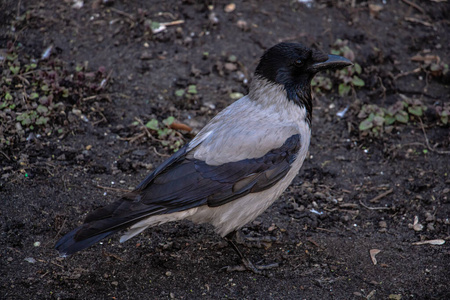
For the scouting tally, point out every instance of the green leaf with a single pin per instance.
(24, 118)
(162, 133)
(34, 95)
(11, 57)
(415, 110)
(42, 120)
(65, 93)
(179, 93)
(155, 25)
(169, 121)
(192, 89)
(152, 124)
(8, 96)
(3, 105)
(358, 68)
(14, 69)
(365, 125)
(356, 81)
(402, 117)
(343, 89)
(44, 88)
(378, 121)
(335, 52)
(389, 120)
(42, 109)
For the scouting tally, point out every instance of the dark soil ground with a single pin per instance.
(355, 193)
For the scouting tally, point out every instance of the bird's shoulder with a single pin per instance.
(244, 130)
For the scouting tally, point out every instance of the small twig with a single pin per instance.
(122, 13)
(428, 143)
(60, 229)
(7, 157)
(414, 5)
(407, 73)
(176, 22)
(375, 199)
(52, 262)
(43, 275)
(373, 208)
(103, 119)
(112, 255)
(324, 229)
(382, 88)
(414, 20)
(149, 134)
(18, 8)
(160, 154)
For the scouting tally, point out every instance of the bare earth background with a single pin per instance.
(357, 192)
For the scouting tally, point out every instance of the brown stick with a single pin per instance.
(412, 4)
(375, 199)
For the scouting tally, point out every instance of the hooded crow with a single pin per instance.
(235, 167)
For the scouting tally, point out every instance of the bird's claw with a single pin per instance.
(247, 265)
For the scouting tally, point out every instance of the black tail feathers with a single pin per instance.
(68, 244)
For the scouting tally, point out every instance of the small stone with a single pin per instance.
(30, 260)
(168, 273)
(243, 25)
(382, 224)
(230, 7)
(146, 55)
(115, 283)
(429, 217)
(230, 67)
(62, 157)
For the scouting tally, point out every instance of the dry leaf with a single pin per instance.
(430, 242)
(374, 9)
(374, 252)
(180, 126)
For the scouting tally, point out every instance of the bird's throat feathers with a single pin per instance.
(274, 94)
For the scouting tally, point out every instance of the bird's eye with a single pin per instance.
(298, 62)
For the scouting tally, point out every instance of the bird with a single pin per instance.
(234, 168)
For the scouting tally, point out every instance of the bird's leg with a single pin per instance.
(246, 263)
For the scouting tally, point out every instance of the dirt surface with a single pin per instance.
(355, 193)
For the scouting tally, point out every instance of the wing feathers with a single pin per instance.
(181, 183)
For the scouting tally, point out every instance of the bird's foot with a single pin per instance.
(255, 242)
(247, 265)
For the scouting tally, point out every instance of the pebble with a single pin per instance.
(429, 217)
(230, 7)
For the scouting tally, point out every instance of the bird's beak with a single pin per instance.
(333, 62)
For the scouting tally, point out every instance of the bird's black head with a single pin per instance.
(294, 65)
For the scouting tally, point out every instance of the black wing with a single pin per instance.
(181, 183)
